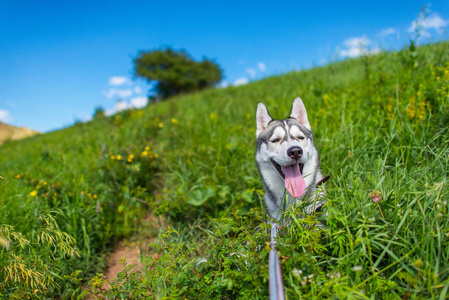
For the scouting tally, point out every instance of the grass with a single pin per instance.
(380, 125)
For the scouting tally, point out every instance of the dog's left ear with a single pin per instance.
(263, 118)
(299, 113)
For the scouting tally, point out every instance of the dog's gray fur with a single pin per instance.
(274, 138)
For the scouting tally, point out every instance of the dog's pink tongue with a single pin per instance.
(294, 182)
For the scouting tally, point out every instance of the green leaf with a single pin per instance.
(200, 196)
(247, 196)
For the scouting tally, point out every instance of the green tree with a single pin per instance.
(176, 72)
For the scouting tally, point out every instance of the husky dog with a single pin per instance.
(288, 160)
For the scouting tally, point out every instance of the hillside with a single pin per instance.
(12, 133)
(380, 124)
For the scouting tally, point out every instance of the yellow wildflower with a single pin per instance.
(174, 121)
(160, 124)
(119, 157)
(155, 155)
(112, 157)
(144, 153)
(327, 99)
(17, 176)
(390, 110)
(95, 196)
(147, 148)
(33, 193)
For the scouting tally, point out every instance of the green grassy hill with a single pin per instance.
(381, 127)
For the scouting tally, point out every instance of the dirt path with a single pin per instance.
(130, 250)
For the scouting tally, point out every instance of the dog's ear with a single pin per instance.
(299, 113)
(262, 118)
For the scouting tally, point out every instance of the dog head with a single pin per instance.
(286, 144)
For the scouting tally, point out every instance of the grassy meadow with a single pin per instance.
(381, 125)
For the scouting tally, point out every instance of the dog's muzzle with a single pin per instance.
(281, 171)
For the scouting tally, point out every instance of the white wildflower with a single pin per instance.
(296, 272)
(357, 268)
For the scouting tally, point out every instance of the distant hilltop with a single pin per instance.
(10, 133)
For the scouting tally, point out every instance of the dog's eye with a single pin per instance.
(300, 138)
(275, 140)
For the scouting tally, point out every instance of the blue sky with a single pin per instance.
(60, 60)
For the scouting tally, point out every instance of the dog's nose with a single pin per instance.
(294, 152)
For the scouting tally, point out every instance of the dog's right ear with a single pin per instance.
(262, 118)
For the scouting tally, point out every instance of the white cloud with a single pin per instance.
(432, 21)
(357, 42)
(240, 81)
(111, 93)
(128, 95)
(139, 102)
(387, 32)
(251, 72)
(119, 80)
(262, 67)
(5, 116)
(223, 84)
(357, 46)
(121, 105)
(136, 102)
(109, 112)
(351, 52)
(137, 90)
(435, 21)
